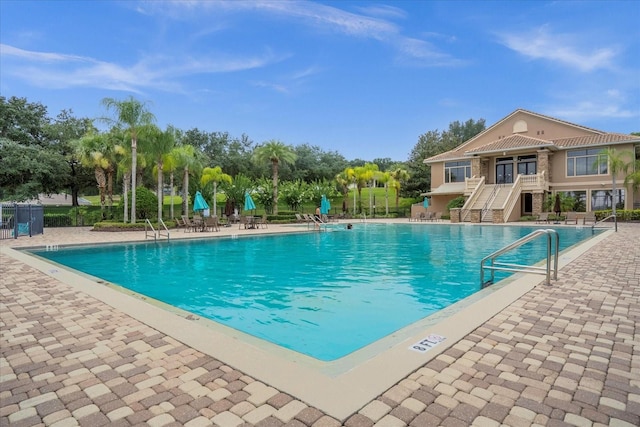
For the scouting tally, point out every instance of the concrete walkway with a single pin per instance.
(562, 355)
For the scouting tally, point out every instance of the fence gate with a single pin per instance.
(20, 220)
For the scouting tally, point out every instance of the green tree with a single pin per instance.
(23, 122)
(342, 182)
(61, 133)
(95, 151)
(187, 161)
(236, 189)
(214, 176)
(158, 144)
(618, 162)
(275, 152)
(399, 176)
(133, 116)
(294, 193)
(28, 171)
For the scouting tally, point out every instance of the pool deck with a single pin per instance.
(566, 354)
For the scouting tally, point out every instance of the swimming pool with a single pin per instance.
(321, 294)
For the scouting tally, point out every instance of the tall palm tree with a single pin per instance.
(399, 176)
(158, 144)
(616, 164)
(134, 117)
(186, 160)
(384, 178)
(170, 165)
(275, 152)
(215, 176)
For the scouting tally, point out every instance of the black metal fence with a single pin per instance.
(20, 220)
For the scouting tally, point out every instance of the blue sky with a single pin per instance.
(362, 78)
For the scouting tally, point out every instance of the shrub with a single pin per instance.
(458, 202)
(146, 203)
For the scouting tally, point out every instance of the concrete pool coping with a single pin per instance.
(338, 388)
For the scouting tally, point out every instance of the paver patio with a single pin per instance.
(568, 354)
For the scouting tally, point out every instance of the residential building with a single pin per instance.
(516, 166)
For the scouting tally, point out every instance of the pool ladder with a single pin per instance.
(155, 233)
(494, 266)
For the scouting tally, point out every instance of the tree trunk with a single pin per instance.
(134, 170)
(275, 187)
(125, 190)
(160, 191)
(185, 192)
(172, 193)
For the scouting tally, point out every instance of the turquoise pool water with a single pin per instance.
(322, 294)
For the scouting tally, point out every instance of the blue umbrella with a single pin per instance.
(325, 205)
(248, 202)
(425, 203)
(199, 203)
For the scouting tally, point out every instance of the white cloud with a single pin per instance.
(560, 48)
(327, 18)
(57, 70)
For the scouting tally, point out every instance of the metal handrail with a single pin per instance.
(615, 220)
(523, 268)
(489, 201)
(146, 233)
(161, 222)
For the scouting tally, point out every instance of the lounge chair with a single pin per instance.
(299, 218)
(590, 218)
(572, 217)
(543, 218)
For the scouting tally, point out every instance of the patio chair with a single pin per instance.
(211, 223)
(438, 217)
(243, 222)
(543, 218)
(590, 218)
(188, 225)
(572, 217)
(261, 222)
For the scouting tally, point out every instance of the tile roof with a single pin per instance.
(511, 142)
(520, 142)
(606, 138)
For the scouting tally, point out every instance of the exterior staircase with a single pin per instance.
(492, 196)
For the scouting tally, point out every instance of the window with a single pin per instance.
(586, 162)
(457, 171)
(603, 199)
(527, 165)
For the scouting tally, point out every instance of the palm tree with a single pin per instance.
(91, 150)
(274, 152)
(186, 160)
(384, 178)
(170, 165)
(399, 176)
(158, 144)
(132, 115)
(617, 164)
(216, 176)
(342, 181)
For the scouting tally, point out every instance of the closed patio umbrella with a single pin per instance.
(199, 203)
(248, 202)
(325, 205)
(425, 203)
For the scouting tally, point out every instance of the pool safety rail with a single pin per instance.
(148, 229)
(498, 266)
(603, 220)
